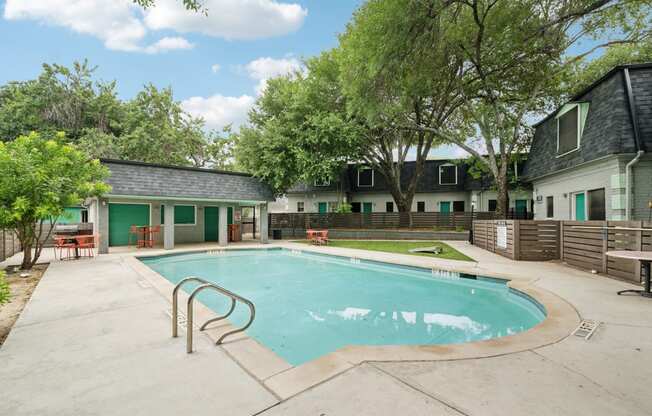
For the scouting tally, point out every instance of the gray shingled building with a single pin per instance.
(589, 159)
(191, 205)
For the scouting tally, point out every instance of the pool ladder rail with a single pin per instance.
(189, 315)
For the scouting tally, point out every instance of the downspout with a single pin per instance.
(637, 142)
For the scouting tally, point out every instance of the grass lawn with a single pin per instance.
(400, 247)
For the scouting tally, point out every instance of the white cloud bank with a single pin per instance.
(262, 69)
(228, 19)
(219, 111)
(122, 26)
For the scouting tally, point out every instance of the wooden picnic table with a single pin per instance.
(644, 259)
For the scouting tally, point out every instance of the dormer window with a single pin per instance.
(570, 123)
(322, 182)
(365, 178)
(448, 174)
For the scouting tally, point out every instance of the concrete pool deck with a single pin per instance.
(94, 339)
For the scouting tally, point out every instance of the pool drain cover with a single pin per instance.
(586, 329)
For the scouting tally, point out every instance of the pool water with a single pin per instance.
(308, 305)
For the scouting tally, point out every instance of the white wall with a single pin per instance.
(481, 198)
(431, 199)
(310, 201)
(608, 173)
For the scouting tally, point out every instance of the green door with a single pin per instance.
(580, 207)
(445, 207)
(366, 207)
(323, 207)
(521, 206)
(229, 215)
(211, 221)
(121, 218)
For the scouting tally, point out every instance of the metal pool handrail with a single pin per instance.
(189, 316)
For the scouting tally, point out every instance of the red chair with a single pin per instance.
(322, 237)
(67, 243)
(149, 236)
(87, 244)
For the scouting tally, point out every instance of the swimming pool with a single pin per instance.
(308, 304)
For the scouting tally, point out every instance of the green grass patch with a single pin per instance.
(400, 247)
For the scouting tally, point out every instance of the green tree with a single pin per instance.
(60, 99)
(587, 72)
(194, 5)
(41, 175)
(482, 67)
(300, 129)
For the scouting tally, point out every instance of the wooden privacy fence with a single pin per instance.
(584, 244)
(377, 220)
(581, 244)
(9, 244)
(518, 239)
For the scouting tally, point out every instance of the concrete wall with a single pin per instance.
(608, 173)
(642, 189)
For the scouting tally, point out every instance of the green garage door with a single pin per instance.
(122, 217)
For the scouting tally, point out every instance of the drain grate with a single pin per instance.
(586, 329)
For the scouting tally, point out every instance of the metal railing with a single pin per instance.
(189, 314)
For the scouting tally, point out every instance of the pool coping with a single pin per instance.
(285, 380)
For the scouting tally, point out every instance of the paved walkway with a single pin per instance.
(93, 340)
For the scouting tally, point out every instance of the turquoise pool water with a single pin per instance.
(308, 305)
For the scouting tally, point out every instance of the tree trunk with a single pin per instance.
(404, 205)
(27, 257)
(502, 196)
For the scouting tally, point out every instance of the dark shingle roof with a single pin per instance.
(145, 179)
(608, 129)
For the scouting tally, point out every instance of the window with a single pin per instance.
(322, 182)
(355, 207)
(184, 215)
(162, 214)
(421, 206)
(389, 206)
(300, 206)
(448, 175)
(568, 131)
(597, 205)
(493, 204)
(550, 207)
(365, 178)
(458, 206)
(84, 215)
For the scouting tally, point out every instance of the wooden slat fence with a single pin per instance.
(581, 244)
(376, 220)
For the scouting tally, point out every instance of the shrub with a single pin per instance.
(4, 289)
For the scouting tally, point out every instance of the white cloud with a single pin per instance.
(123, 26)
(265, 68)
(168, 44)
(219, 111)
(215, 68)
(112, 21)
(229, 19)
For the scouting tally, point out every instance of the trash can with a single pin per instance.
(277, 235)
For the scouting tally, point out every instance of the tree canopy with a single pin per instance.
(151, 127)
(41, 175)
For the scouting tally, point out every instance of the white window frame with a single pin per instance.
(440, 171)
(326, 183)
(579, 128)
(373, 178)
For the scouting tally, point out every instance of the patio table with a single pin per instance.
(644, 258)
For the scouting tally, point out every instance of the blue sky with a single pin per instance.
(218, 62)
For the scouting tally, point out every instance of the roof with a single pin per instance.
(579, 95)
(610, 127)
(129, 178)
